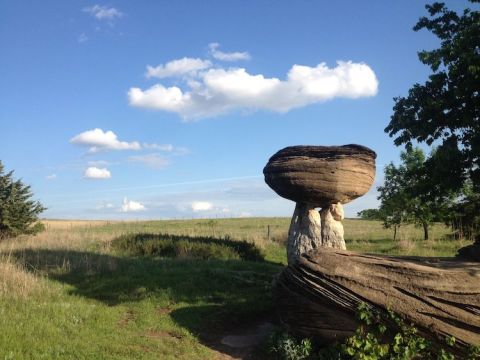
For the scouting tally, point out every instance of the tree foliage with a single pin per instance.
(445, 109)
(370, 214)
(18, 213)
(409, 195)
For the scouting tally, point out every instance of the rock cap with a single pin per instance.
(321, 175)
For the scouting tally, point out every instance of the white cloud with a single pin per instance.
(161, 147)
(180, 67)
(98, 140)
(217, 90)
(51, 177)
(132, 206)
(97, 173)
(102, 12)
(104, 206)
(198, 206)
(220, 55)
(82, 38)
(154, 160)
(167, 148)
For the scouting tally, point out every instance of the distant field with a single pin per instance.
(65, 294)
(360, 235)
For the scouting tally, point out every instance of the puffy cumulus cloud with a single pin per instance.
(97, 173)
(180, 67)
(132, 206)
(217, 90)
(198, 206)
(223, 56)
(155, 161)
(101, 12)
(99, 140)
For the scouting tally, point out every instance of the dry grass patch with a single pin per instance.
(70, 224)
(15, 282)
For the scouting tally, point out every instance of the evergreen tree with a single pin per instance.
(18, 213)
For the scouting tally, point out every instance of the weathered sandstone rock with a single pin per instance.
(319, 294)
(304, 233)
(321, 175)
(332, 228)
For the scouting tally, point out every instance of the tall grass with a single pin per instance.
(17, 283)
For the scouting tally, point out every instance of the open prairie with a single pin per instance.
(69, 293)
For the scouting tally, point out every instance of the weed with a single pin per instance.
(286, 347)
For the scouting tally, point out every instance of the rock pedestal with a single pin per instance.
(304, 233)
(319, 177)
(332, 228)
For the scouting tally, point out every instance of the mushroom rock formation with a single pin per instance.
(324, 177)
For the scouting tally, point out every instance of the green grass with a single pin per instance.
(70, 293)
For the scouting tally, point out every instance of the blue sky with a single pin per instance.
(171, 109)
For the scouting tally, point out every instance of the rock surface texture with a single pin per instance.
(319, 294)
(332, 228)
(304, 233)
(319, 176)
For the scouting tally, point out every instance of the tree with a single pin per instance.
(18, 213)
(445, 109)
(409, 196)
(370, 214)
(393, 199)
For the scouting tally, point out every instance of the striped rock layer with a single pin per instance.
(321, 175)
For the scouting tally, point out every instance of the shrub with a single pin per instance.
(286, 347)
(178, 246)
(18, 213)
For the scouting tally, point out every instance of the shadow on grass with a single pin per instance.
(205, 296)
(114, 280)
(184, 246)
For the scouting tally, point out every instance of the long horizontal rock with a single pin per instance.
(318, 296)
(321, 175)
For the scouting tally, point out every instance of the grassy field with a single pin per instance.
(67, 294)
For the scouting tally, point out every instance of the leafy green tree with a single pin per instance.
(370, 214)
(445, 110)
(393, 199)
(409, 196)
(18, 213)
